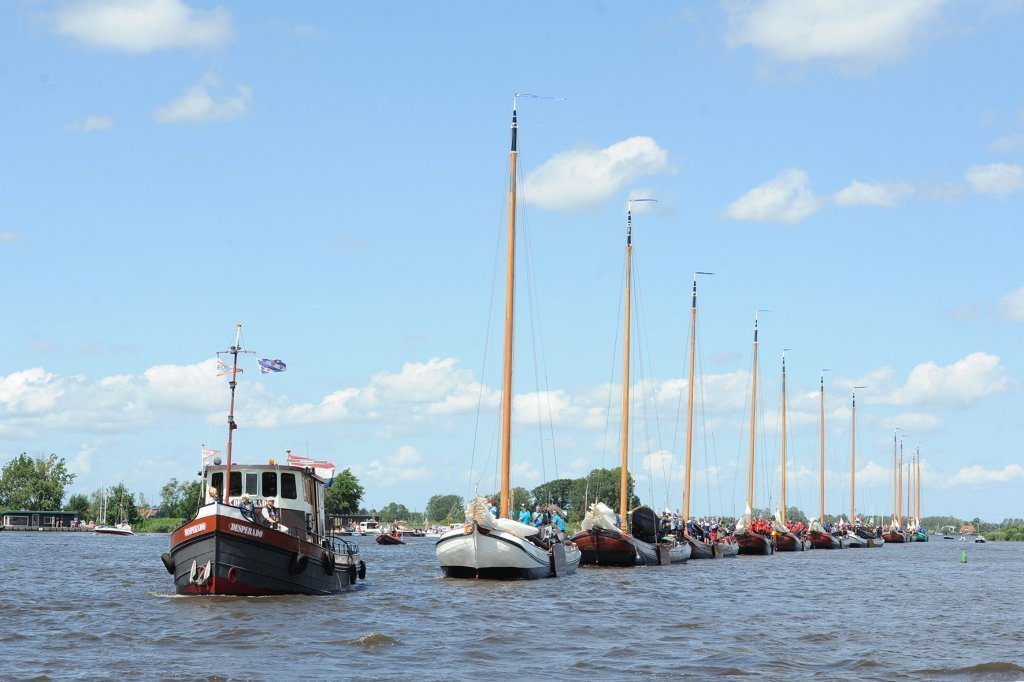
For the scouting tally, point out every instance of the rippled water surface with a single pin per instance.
(81, 605)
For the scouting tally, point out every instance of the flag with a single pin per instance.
(209, 454)
(224, 368)
(323, 469)
(267, 366)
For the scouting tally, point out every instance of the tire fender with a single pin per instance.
(168, 562)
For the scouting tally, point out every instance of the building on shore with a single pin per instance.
(24, 518)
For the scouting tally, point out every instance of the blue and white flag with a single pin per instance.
(267, 365)
(224, 368)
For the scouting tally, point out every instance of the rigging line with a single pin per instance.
(644, 346)
(534, 308)
(544, 366)
(487, 334)
(611, 379)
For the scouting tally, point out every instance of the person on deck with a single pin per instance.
(272, 517)
(248, 509)
(212, 495)
(524, 515)
(557, 520)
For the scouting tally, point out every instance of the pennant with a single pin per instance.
(209, 454)
(267, 365)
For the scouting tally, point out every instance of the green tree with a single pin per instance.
(78, 503)
(445, 508)
(599, 485)
(518, 496)
(34, 483)
(557, 492)
(394, 512)
(178, 499)
(344, 494)
(121, 505)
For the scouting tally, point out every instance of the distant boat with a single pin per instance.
(859, 534)
(122, 527)
(895, 532)
(391, 537)
(820, 538)
(601, 541)
(785, 539)
(722, 546)
(753, 535)
(499, 547)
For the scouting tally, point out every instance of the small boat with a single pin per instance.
(390, 538)
(785, 539)
(820, 537)
(122, 527)
(894, 533)
(116, 529)
(980, 539)
(497, 547)
(227, 549)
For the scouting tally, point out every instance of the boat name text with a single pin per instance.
(247, 530)
(195, 529)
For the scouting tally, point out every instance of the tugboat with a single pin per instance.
(279, 543)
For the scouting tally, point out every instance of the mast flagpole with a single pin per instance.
(782, 512)
(510, 291)
(853, 455)
(753, 422)
(822, 409)
(917, 514)
(623, 471)
(235, 349)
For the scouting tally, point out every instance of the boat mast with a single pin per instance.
(510, 291)
(782, 512)
(623, 472)
(822, 409)
(899, 486)
(689, 410)
(917, 498)
(895, 484)
(853, 454)
(753, 421)
(236, 347)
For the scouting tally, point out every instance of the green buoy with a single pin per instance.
(963, 556)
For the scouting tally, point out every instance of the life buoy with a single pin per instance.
(352, 572)
(298, 563)
(168, 562)
(362, 570)
(328, 561)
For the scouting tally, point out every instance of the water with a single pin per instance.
(80, 605)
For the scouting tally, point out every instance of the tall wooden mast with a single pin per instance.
(822, 420)
(782, 512)
(689, 409)
(753, 421)
(917, 497)
(853, 455)
(510, 294)
(899, 486)
(235, 349)
(623, 469)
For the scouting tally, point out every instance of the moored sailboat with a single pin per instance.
(920, 534)
(894, 532)
(600, 540)
(858, 534)
(820, 537)
(121, 526)
(785, 539)
(725, 546)
(753, 535)
(498, 547)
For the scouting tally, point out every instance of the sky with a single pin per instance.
(334, 176)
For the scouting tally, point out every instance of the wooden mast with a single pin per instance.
(753, 422)
(917, 497)
(235, 349)
(689, 409)
(895, 481)
(853, 455)
(899, 486)
(822, 409)
(782, 512)
(623, 469)
(510, 293)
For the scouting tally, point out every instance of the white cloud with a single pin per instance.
(866, 32)
(402, 466)
(860, 193)
(198, 105)
(960, 384)
(138, 26)
(579, 179)
(1012, 305)
(91, 124)
(914, 422)
(978, 475)
(1008, 143)
(998, 179)
(786, 198)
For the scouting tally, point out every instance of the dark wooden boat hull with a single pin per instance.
(227, 556)
(698, 548)
(606, 548)
(754, 544)
(788, 542)
(894, 537)
(823, 540)
(384, 539)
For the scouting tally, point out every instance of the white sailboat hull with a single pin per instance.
(119, 529)
(495, 554)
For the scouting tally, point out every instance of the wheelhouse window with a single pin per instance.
(269, 484)
(236, 483)
(251, 483)
(217, 481)
(288, 490)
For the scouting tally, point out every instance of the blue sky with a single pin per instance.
(333, 175)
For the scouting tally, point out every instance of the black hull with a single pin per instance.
(600, 547)
(754, 544)
(242, 566)
(504, 573)
(788, 542)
